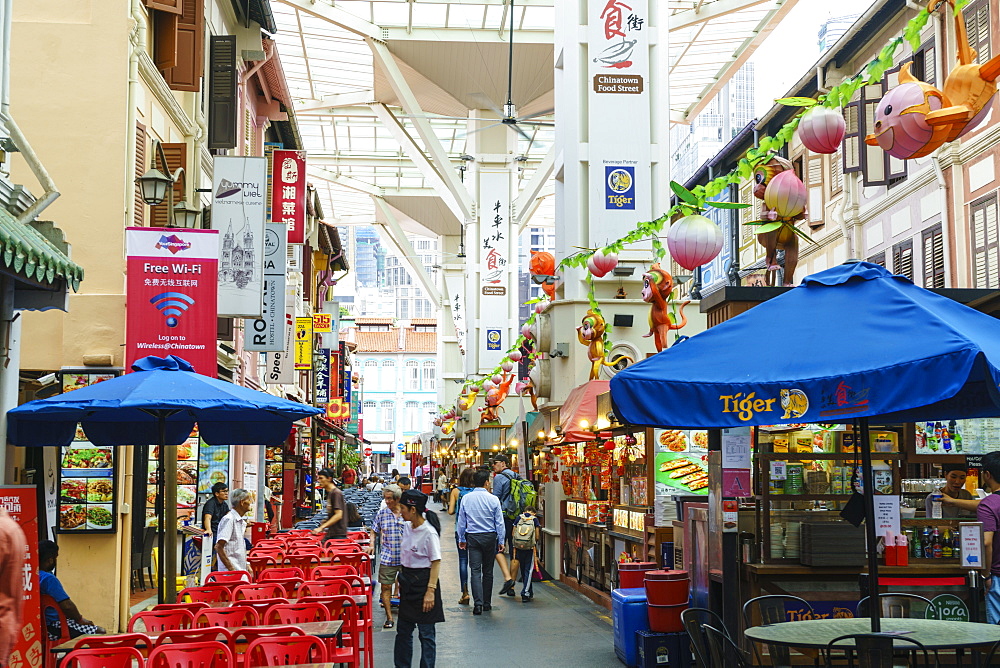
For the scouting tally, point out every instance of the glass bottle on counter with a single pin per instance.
(946, 545)
(936, 549)
(927, 547)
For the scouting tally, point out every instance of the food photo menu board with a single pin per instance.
(187, 482)
(87, 481)
(681, 461)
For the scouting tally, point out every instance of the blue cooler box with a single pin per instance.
(663, 649)
(628, 615)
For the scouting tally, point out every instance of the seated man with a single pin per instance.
(49, 585)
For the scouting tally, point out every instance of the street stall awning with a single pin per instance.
(579, 411)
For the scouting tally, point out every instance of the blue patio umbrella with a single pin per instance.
(850, 342)
(158, 404)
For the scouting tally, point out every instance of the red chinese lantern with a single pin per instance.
(786, 195)
(557, 451)
(601, 262)
(693, 241)
(821, 129)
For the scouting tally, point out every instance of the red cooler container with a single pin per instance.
(667, 588)
(630, 575)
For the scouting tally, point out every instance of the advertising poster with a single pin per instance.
(618, 89)
(19, 501)
(681, 473)
(456, 294)
(238, 188)
(494, 272)
(322, 323)
(86, 488)
(187, 482)
(171, 294)
(288, 193)
(303, 343)
(322, 376)
(267, 333)
(213, 467)
(280, 370)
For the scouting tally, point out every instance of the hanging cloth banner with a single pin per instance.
(267, 333)
(456, 295)
(238, 188)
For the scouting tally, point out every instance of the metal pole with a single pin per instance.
(868, 478)
(161, 585)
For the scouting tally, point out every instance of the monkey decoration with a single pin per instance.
(591, 334)
(784, 197)
(657, 284)
(465, 402)
(543, 270)
(529, 389)
(494, 398)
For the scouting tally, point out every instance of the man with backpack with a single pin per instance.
(526, 534)
(515, 494)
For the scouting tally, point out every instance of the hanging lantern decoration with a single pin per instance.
(488, 384)
(694, 240)
(786, 195)
(821, 129)
(527, 332)
(507, 366)
(601, 262)
(901, 126)
(515, 356)
(630, 440)
(497, 379)
(541, 306)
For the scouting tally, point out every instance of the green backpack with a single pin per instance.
(522, 494)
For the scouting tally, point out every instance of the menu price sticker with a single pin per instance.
(971, 535)
(886, 514)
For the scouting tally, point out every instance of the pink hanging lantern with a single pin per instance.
(515, 356)
(493, 394)
(497, 378)
(601, 262)
(507, 367)
(821, 129)
(541, 306)
(693, 241)
(488, 385)
(786, 195)
(527, 332)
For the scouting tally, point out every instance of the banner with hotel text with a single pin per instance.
(171, 295)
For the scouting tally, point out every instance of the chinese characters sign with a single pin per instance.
(171, 295)
(303, 343)
(456, 294)
(288, 193)
(322, 377)
(495, 316)
(27, 651)
(238, 189)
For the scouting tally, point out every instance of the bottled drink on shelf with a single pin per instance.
(936, 546)
(926, 545)
(946, 545)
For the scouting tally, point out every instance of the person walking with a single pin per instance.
(420, 603)
(988, 513)
(481, 531)
(465, 486)
(527, 533)
(335, 525)
(388, 524)
(502, 475)
(12, 588)
(230, 543)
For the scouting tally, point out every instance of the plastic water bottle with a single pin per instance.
(936, 503)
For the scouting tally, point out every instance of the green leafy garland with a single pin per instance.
(698, 197)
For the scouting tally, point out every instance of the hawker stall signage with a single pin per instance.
(494, 269)
(171, 294)
(288, 193)
(27, 651)
(239, 186)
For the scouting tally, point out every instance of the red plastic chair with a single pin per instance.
(257, 591)
(157, 621)
(299, 550)
(192, 606)
(279, 574)
(305, 562)
(360, 561)
(191, 655)
(134, 640)
(46, 603)
(189, 636)
(104, 657)
(230, 617)
(334, 571)
(260, 605)
(297, 613)
(327, 587)
(332, 551)
(215, 593)
(357, 535)
(228, 576)
(243, 637)
(261, 562)
(285, 651)
(343, 608)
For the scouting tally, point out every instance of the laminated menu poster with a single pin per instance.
(680, 440)
(957, 437)
(187, 482)
(681, 473)
(213, 466)
(86, 488)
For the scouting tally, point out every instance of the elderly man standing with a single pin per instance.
(388, 525)
(230, 547)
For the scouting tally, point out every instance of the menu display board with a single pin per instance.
(87, 481)
(681, 473)
(274, 463)
(213, 466)
(187, 482)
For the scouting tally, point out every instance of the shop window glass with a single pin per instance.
(430, 382)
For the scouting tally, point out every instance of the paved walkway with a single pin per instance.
(560, 628)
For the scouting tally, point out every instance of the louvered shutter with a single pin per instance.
(928, 52)
(164, 40)
(186, 74)
(977, 26)
(747, 214)
(169, 6)
(249, 132)
(836, 174)
(984, 243)
(176, 155)
(816, 188)
(139, 212)
(873, 159)
(222, 110)
(851, 147)
(878, 258)
(902, 259)
(933, 242)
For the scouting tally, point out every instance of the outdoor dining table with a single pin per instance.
(932, 633)
(329, 629)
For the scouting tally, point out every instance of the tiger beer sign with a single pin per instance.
(794, 404)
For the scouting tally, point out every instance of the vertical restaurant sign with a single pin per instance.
(322, 323)
(322, 377)
(19, 501)
(267, 333)
(239, 186)
(494, 269)
(618, 103)
(303, 342)
(171, 294)
(280, 370)
(455, 283)
(288, 193)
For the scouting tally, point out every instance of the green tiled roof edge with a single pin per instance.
(25, 250)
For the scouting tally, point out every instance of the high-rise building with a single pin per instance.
(369, 254)
(833, 28)
(712, 129)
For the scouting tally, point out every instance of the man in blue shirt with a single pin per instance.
(49, 585)
(481, 531)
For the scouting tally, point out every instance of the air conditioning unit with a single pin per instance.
(626, 353)
(541, 377)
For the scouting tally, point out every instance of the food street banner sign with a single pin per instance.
(267, 333)
(239, 186)
(494, 269)
(618, 100)
(288, 193)
(171, 295)
(27, 651)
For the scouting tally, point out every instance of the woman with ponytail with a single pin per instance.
(419, 596)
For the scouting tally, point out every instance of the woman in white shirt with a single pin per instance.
(419, 596)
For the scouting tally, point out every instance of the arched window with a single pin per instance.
(412, 416)
(412, 375)
(430, 377)
(368, 410)
(388, 414)
(371, 364)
